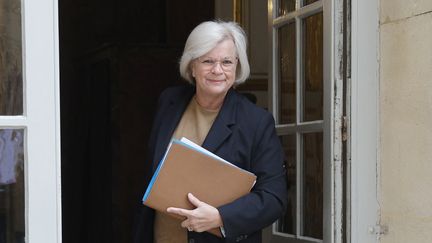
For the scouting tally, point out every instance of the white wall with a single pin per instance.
(405, 120)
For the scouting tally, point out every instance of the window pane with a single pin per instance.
(12, 220)
(287, 223)
(313, 68)
(287, 77)
(11, 85)
(307, 2)
(313, 185)
(286, 6)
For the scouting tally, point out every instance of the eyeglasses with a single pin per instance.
(227, 64)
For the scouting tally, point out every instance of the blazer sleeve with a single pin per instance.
(267, 200)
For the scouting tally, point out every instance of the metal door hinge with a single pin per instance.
(378, 229)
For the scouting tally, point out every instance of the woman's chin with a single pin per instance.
(215, 86)
(215, 90)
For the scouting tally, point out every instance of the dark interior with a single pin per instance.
(115, 59)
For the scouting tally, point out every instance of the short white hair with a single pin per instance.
(207, 36)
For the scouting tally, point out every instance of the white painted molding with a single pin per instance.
(364, 120)
(42, 121)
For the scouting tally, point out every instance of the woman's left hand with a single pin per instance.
(204, 217)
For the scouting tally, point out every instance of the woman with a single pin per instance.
(211, 113)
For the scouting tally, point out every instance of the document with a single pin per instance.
(187, 167)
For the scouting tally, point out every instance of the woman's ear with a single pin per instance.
(193, 70)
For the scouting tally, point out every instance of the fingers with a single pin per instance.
(184, 212)
(191, 226)
(200, 219)
(186, 224)
(180, 211)
(195, 201)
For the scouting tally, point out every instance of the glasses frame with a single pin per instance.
(201, 61)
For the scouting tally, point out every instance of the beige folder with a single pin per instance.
(185, 168)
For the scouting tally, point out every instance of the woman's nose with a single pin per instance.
(217, 68)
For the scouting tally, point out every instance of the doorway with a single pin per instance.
(115, 59)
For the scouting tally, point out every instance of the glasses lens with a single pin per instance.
(226, 63)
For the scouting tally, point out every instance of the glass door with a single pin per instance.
(29, 131)
(301, 91)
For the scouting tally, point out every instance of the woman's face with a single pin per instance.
(215, 71)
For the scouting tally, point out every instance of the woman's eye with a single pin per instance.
(208, 61)
(227, 62)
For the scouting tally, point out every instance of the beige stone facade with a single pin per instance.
(405, 120)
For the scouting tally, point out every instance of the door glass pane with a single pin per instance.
(307, 2)
(287, 223)
(287, 76)
(12, 219)
(11, 84)
(313, 68)
(313, 185)
(286, 6)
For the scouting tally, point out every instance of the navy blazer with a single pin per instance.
(243, 134)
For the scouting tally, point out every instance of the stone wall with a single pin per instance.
(405, 120)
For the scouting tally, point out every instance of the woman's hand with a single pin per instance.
(204, 217)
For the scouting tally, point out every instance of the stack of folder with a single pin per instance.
(187, 167)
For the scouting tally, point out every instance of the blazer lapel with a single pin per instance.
(174, 112)
(219, 132)
(221, 128)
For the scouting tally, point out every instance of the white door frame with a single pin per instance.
(364, 110)
(41, 120)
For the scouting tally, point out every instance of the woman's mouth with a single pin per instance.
(215, 80)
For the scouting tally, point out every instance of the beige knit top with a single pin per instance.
(194, 125)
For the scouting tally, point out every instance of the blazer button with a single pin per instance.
(191, 241)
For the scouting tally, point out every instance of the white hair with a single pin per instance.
(207, 36)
